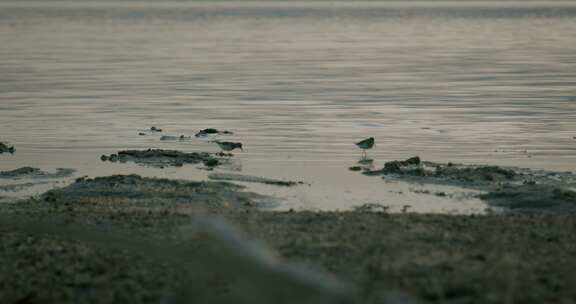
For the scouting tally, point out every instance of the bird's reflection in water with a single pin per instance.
(367, 164)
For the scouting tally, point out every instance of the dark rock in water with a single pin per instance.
(168, 137)
(355, 168)
(141, 133)
(213, 162)
(172, 137)
(412, 161)
(533, 197)
(161, 158)
(392, 167)
(4, 148)
(211, 131)
(29, 172)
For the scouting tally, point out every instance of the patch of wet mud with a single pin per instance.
(253, 179)
(30, 172)
(21, 186)
(533, 197)
(453, 174)
(160, 158)
(137, 191)
(514, 188)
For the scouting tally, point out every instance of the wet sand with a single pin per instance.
(127, 239)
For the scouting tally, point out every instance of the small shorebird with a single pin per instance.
(229, 146)
(365, 144)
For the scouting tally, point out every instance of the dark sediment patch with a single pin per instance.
(142, 192)
(18, 187)
(29, 172)
(5, 148)
(532, 196)
(253, 179)
(162, 158)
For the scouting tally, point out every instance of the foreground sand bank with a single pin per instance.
(120, 239)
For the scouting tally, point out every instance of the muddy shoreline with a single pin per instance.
(129, 239)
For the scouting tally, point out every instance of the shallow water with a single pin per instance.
(298, 83)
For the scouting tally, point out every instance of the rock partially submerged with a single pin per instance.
(4, 148)
(162, 158)
(253, 179)
(29, 172)
(533, 197)
(471, 175)
(212, 131)
(172, 137)
(136, 191)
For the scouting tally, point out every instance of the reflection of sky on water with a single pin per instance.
(297, 82)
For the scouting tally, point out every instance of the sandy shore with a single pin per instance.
(127, 239)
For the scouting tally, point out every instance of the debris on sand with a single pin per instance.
(29, 172)
(136, 191)
(4, 148)
(532, 196)
(371, 207)
(212, 131)
(162, 158)
(253, 179)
